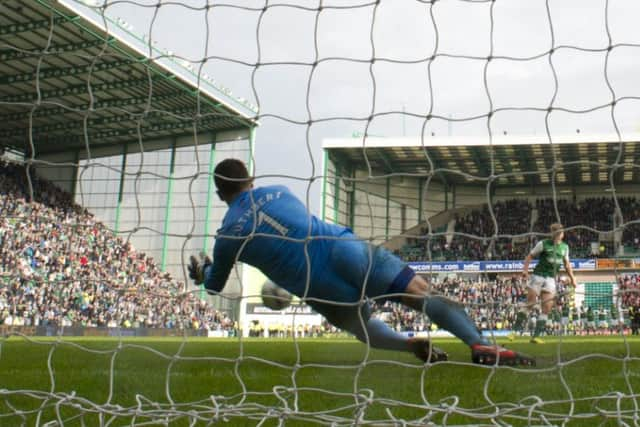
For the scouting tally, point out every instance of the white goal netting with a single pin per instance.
(453, 131)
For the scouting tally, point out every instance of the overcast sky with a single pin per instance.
(402, 36)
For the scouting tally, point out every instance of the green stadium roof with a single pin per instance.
(51, 51)
(518, 160)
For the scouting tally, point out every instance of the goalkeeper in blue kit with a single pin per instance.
(331, 269)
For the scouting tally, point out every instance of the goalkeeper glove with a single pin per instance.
(196, 267)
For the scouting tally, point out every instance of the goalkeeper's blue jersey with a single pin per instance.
(269, 228)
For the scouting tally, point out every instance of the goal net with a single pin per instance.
(453, 132)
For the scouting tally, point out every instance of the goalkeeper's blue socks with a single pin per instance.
(380, 335)
(451, 316)
(541, 325)
(446, 313)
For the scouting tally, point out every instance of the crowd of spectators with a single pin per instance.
(630, 207)
(281, 330)
(512, 218)
(595, 213)
(487, 303)
(629, 288)
(493, 306)
(474, 232)
(60, 266)
(434, 247)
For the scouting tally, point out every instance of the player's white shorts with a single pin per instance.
(603, 324)
(542, 284)
(564, 321)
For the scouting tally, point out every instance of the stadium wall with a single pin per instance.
(155, 194)
(60, 168)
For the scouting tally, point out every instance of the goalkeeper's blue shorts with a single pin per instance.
(357, 269)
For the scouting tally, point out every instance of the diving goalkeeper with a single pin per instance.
(330, 268)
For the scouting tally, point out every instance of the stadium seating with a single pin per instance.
(630, 207)
(61, 266)
(629, 288)
(493, 306)
(473, 232)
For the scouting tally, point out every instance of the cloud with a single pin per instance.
(397, 31)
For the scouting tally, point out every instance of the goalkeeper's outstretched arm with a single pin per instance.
(217, 273)
(214, 274)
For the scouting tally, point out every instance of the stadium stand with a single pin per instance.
(629, 288)
(630, 207)
(60, 266)
(591, 212)
(493, 306)
(514, 217)
(490, 303)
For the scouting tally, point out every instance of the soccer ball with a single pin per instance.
(275, 297)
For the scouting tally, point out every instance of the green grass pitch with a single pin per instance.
(578, 381)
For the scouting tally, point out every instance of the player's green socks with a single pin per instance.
(521, 321)
(451, 316)
(541, 324)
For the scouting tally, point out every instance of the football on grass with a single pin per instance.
(275, 297)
